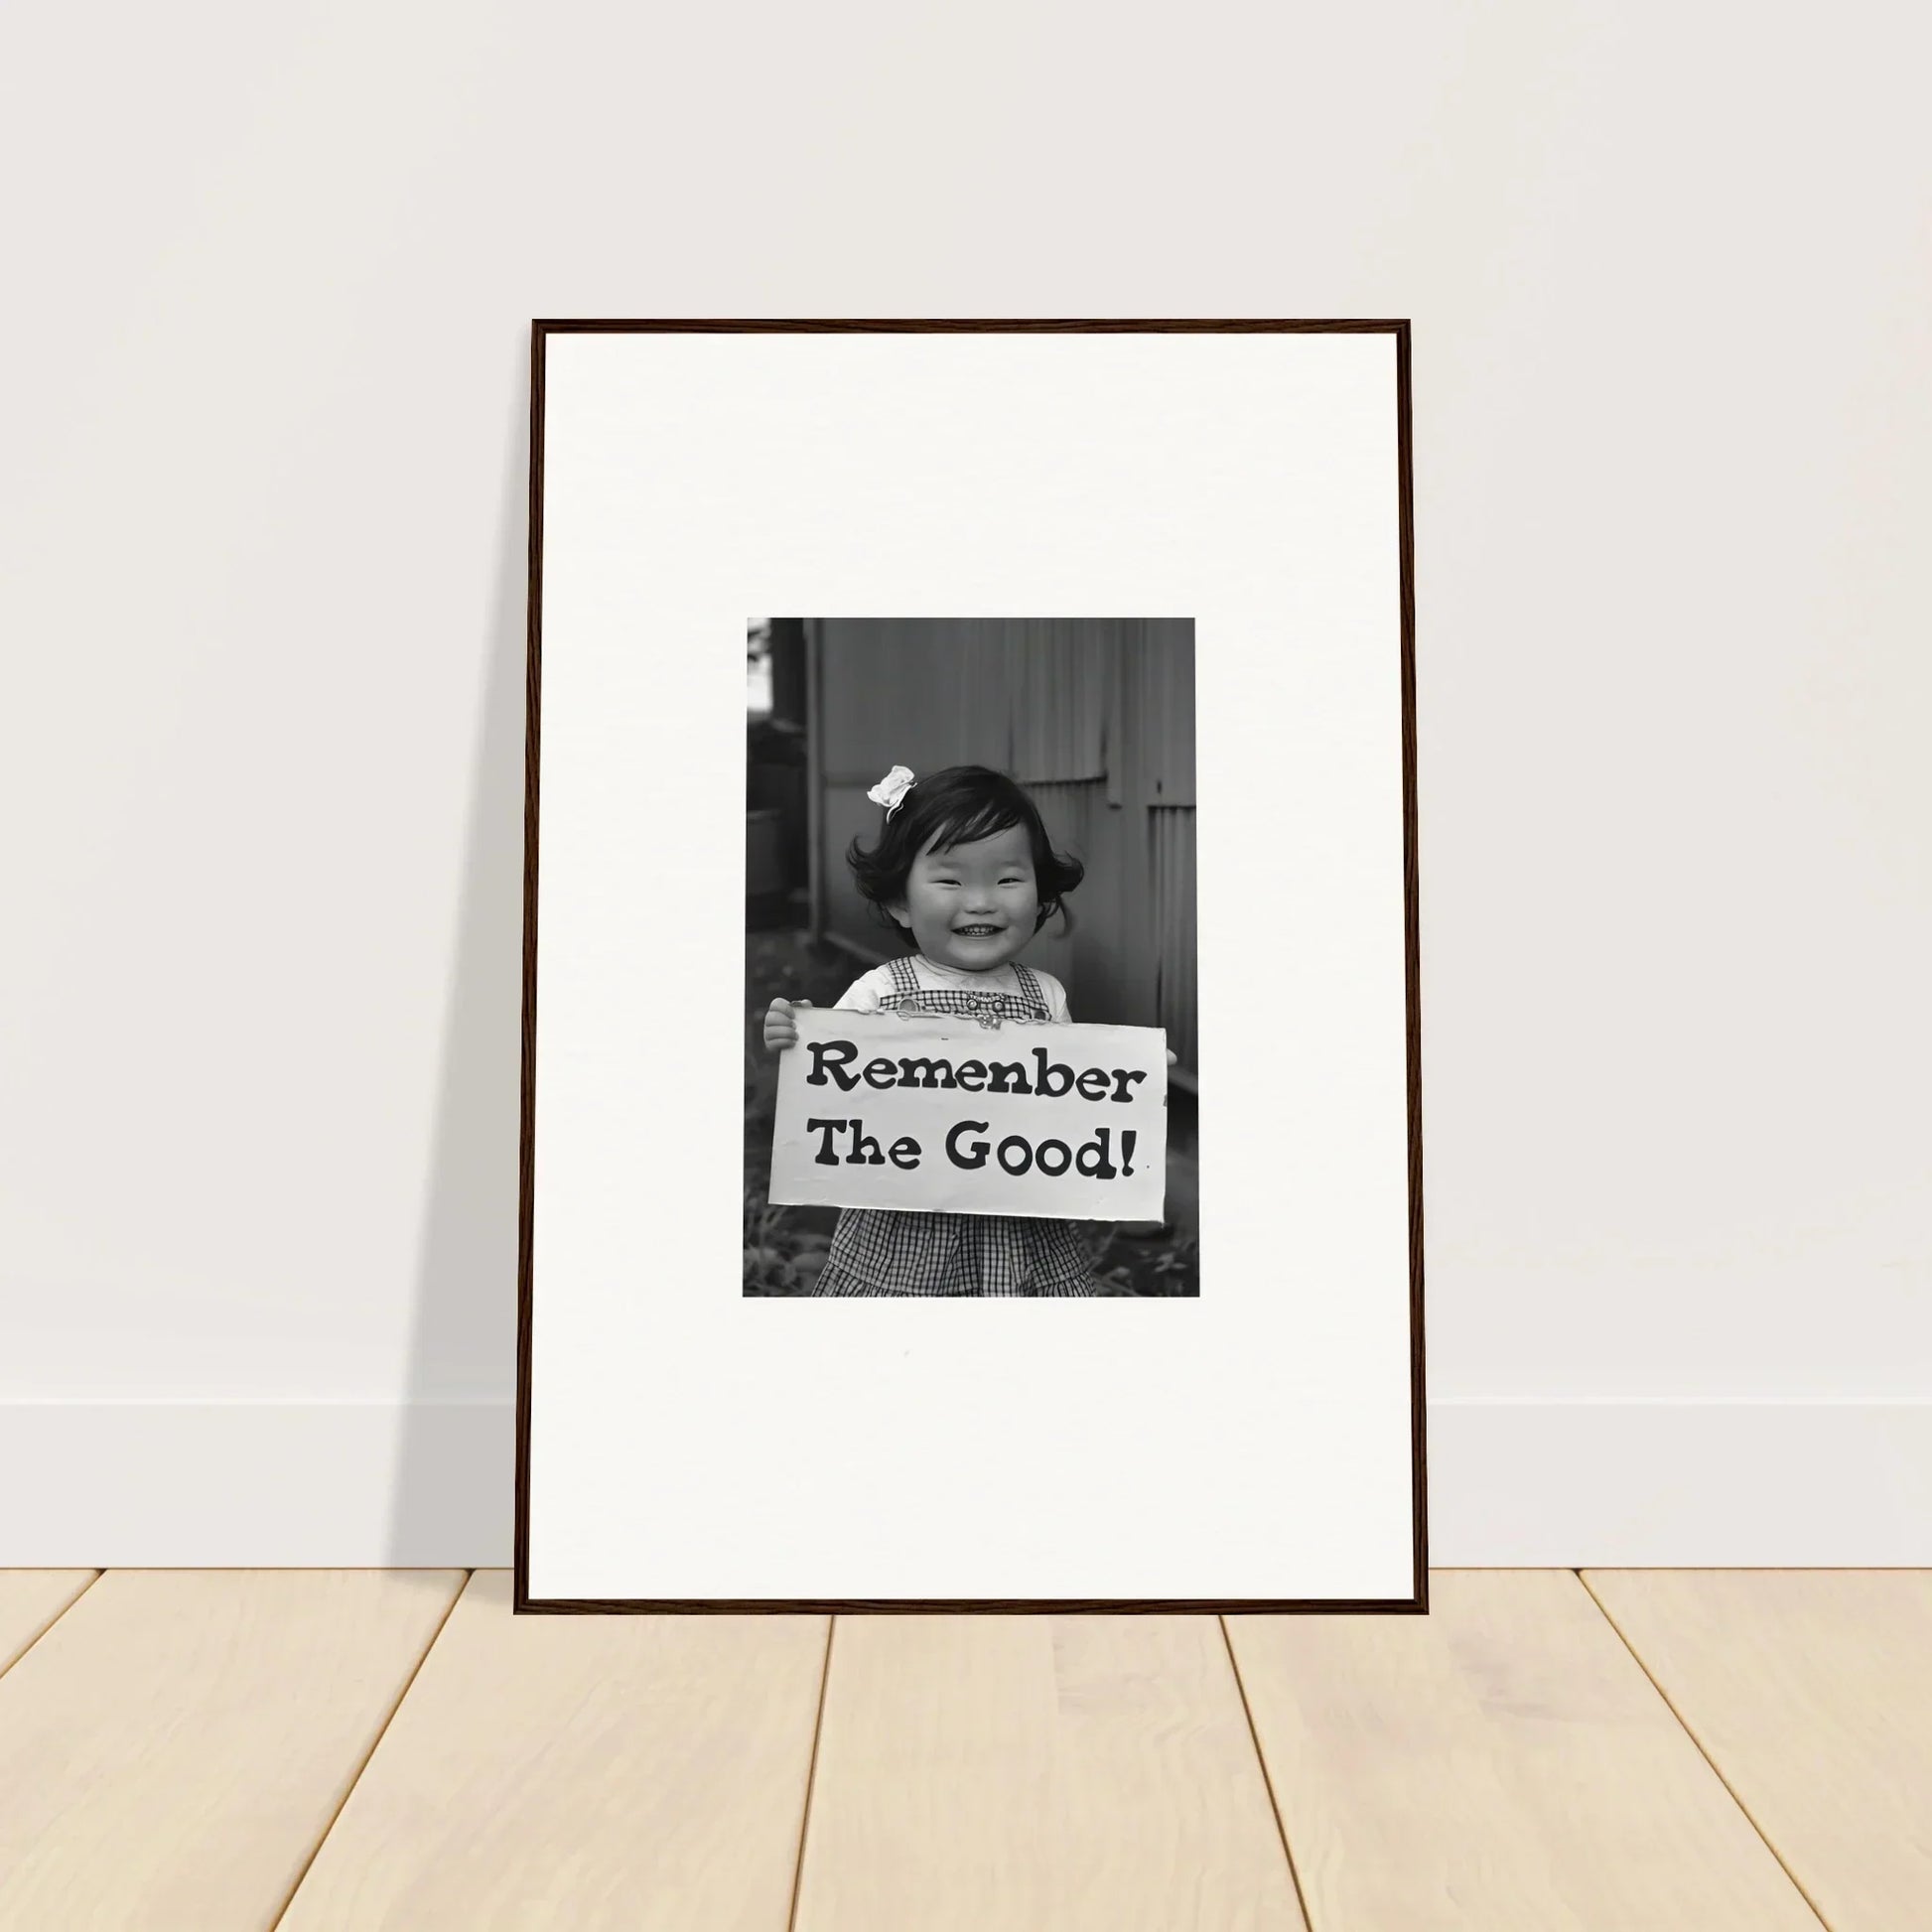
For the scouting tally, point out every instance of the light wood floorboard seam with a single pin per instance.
(811, 1777)
(1717, 1770)
(1268, 1782)
(52, 1621)
(348, 1790)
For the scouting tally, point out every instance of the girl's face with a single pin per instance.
(974, 905)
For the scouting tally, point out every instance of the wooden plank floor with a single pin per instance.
(1811, 1692)
(393, 1750)
(1065, 1773)
(1512, 1753)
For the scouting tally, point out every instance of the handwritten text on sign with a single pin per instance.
(934, 1112)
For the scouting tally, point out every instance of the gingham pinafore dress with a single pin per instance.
(879, 1251)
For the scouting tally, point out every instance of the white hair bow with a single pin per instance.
(891, 790)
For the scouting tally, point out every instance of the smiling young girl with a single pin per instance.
(964, 873)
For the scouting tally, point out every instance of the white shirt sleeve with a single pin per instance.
(1056, 1007)
(866, 992)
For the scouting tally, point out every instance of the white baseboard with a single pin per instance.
(1681, 1484)
(189, 1485)
(256, 1484)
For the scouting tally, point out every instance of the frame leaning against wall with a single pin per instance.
(1418, 1601)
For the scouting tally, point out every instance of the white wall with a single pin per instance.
(271, 271)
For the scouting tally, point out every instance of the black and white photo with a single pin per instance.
(1034, 868)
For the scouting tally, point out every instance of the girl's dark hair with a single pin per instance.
(953, 807)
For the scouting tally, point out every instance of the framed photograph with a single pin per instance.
(1067, 951)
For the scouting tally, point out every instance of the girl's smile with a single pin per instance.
(973, 907)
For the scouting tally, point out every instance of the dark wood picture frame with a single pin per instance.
(1418, 1601)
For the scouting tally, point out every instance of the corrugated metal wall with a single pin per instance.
(1172, 926)
(1096, 716)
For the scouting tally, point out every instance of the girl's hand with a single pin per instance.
(780, 1028)
(1174, 1058)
